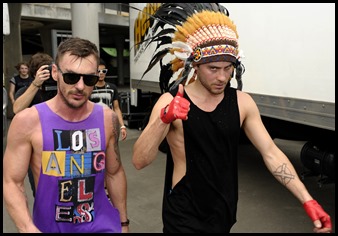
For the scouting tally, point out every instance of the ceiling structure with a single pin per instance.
(31, 26)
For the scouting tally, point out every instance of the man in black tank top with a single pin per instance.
(200, 115)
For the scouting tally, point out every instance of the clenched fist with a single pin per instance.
(320, 218)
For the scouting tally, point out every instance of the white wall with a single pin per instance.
(289, 48)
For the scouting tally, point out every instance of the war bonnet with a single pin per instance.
(199, 33)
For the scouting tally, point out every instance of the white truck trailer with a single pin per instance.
(289, 51)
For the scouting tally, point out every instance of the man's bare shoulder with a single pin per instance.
(247, 105)
(108, 112)
(110, 118)
(244, 98)
(26, 118)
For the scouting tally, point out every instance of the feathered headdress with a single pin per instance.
(197, 33)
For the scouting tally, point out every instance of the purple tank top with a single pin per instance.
(70, 196)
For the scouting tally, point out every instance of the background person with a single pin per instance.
(71, 145)
(22, 80)
(202, 121)
(107, 93)
(43, 86)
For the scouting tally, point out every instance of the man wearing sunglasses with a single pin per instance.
(106, 93)
(71, 145)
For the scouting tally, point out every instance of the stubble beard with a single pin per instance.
(69, 104)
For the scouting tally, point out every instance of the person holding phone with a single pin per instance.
(40, 70)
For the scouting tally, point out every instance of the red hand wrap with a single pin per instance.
(178, 108)
(316, 212)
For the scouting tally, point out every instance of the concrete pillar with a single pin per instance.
(85, 21)
(12, 49)
(119, 41)
(46, 39)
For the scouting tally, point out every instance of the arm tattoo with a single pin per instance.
(283, 174)
(116, 133)
(116, 126)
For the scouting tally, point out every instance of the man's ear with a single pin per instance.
(195, 66)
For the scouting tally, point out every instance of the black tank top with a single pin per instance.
(205, 199)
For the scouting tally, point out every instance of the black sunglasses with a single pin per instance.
(73, 78)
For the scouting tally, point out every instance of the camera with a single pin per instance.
(50, 83)
(49, 87)
(50, 68)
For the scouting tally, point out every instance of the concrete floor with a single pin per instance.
(264, 205)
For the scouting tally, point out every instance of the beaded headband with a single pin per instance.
(215, 50)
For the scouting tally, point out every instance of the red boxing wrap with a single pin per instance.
(178, 108)
(316, 212)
